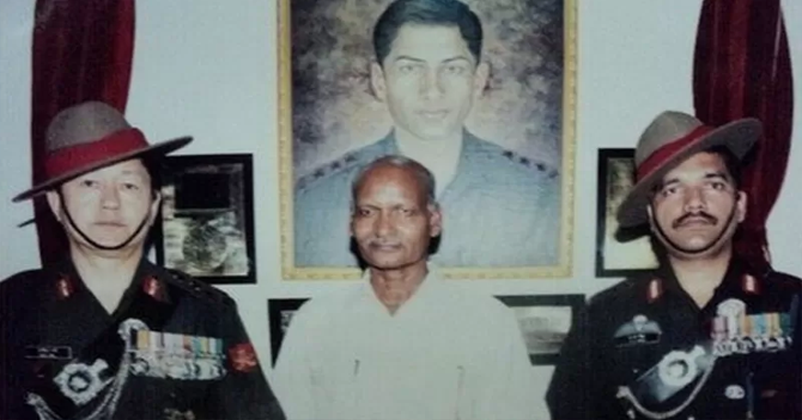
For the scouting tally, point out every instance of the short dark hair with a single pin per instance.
(424, 177)
(426, 12)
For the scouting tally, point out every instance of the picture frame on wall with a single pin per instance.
(206, 227)
(619, 253)
(279, 316)
(544, 321)
(333, 121)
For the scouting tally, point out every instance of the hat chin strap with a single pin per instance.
(92, 242)
(670, 243)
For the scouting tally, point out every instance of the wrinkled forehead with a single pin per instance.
(390, 182)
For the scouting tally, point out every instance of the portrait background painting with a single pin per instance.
(618, 254)
(327, 107)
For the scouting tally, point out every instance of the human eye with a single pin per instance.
(454, 69)
(718, 185)
(88, 183)
(669, 190)
(130, 186)
(408, 67)
(364, 212)
(408, 211)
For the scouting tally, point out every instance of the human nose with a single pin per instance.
(109, 197)
(431, 84)
(694, 200)
(384, 225)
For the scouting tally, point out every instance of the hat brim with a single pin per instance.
(738, 136)
(161, 148)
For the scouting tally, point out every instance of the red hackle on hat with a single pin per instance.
(90, 136)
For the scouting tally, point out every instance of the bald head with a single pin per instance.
(424, 180)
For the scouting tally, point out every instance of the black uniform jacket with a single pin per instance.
(175, 348)
(644, 349)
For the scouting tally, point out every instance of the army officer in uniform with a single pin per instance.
(106, 334)
(704, 336)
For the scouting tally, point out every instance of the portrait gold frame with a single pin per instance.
(567, 168)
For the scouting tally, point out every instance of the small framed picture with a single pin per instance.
(619, 253)
(279, 315)
(206, 223)
(544, 321)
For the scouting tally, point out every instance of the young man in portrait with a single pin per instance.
(703, 336)
(404, 343)
(500, 209)
(105, 334)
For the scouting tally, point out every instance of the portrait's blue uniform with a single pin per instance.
(500, 210)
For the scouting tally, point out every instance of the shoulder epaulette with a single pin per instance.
(347, 161)
(198, 288)
(531, 164)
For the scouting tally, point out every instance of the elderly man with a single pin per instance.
(501, 209)
(106, 334)
(703, 336)
(403, 344)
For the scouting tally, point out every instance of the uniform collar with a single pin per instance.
(66, 283)
(737, 280)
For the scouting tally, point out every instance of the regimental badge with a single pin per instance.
(640, 330)
(243, 357)
(735, 332)
(177, 356)
(82, 383)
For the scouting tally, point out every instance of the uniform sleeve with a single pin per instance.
(243, 393)
(292, 376)
(574, 387)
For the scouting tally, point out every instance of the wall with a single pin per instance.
(210, 70)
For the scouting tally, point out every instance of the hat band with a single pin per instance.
(661, 155)
(72, 158)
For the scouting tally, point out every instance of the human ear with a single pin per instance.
(54, 202)
(377, 81)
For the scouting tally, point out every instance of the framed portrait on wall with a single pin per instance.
(618, 254)
(493, 121)
(279, 316)
(544, 321)
(206, 226)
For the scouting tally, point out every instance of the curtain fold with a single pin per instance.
(82, 50)
(742, 68)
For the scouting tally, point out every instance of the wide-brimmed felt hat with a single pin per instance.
(89, 136)
(670, 139)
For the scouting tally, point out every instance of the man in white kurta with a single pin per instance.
(445, 354)
(403, 344)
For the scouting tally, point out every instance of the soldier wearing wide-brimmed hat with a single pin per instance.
(106, 334)
(701, 336)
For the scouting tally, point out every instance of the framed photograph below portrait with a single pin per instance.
(279, 315)
(618, 253)
(504, 120)
(544, 321)
(206, 223)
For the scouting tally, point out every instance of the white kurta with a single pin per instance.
(447, 353)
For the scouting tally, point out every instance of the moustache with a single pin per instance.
(693, 217)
